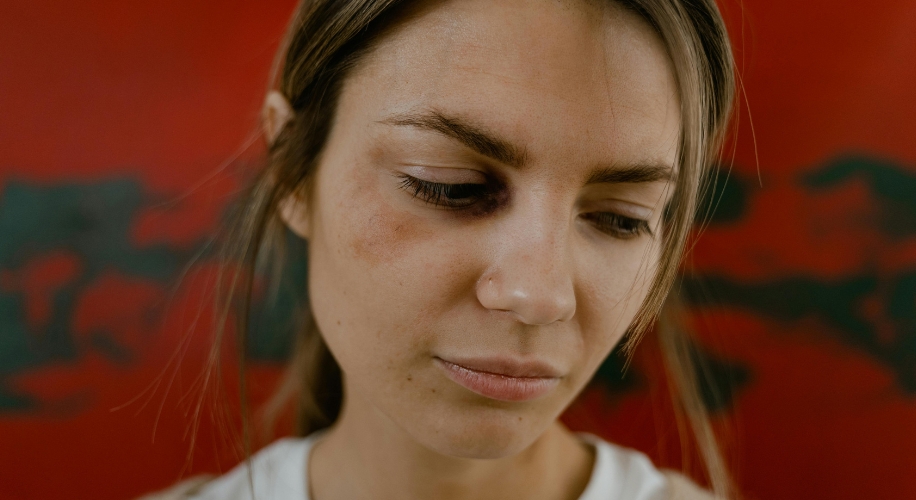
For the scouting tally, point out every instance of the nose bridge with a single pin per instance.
(542, 240)
(531, 274)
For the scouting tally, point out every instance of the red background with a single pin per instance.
(136, 107)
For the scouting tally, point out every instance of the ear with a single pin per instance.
(276, 113)
(295, 214)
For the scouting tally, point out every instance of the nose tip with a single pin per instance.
(533, 296)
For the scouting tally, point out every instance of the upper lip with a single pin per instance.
(506, 367)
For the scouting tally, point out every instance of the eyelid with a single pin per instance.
(439, 194)
(624, 208)
(632, 228)
(445, 175)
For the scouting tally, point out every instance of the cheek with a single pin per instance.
(611, 295)
(378, 274)
(374, 235)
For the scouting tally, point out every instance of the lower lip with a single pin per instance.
(495, 386)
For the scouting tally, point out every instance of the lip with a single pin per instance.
(501, 379)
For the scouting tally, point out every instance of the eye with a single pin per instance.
(617, 225)
(445, 195)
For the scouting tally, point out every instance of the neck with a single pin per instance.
(366, 455)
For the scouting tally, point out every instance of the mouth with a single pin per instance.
(500, 379)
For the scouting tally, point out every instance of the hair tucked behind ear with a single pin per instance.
(325, 39)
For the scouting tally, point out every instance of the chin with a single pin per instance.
(488, 434)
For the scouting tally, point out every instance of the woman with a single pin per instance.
(494, 195)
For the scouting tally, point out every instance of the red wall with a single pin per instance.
(116, 123)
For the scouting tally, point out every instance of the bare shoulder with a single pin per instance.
(180, 491)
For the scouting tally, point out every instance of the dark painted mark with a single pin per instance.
(893, 187)
(725, 200)
(838, 304)
(91, 221)
(102, 342)
(841, 303)
(280, 312)
(718, 380)
(612, 377)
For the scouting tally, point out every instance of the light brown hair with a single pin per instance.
(325, 39)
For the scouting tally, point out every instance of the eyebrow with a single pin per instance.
(637, 173)
(474, 137)
(486, 143)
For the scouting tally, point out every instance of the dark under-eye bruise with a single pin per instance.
(481, 198)
(618, 225)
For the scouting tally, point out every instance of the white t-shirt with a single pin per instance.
(278, 473)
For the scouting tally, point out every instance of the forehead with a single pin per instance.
(562, 78)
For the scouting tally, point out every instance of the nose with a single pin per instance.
(530, 276)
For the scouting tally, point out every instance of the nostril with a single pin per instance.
(549, 310)
(533, 298)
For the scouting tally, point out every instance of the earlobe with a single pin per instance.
(293, 211)
(276, 113)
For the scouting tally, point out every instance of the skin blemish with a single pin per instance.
(382, 235)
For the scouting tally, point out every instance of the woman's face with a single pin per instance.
(485, 218)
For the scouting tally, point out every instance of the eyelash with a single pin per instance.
(618, 225)
(445, 195)
(458, 196)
